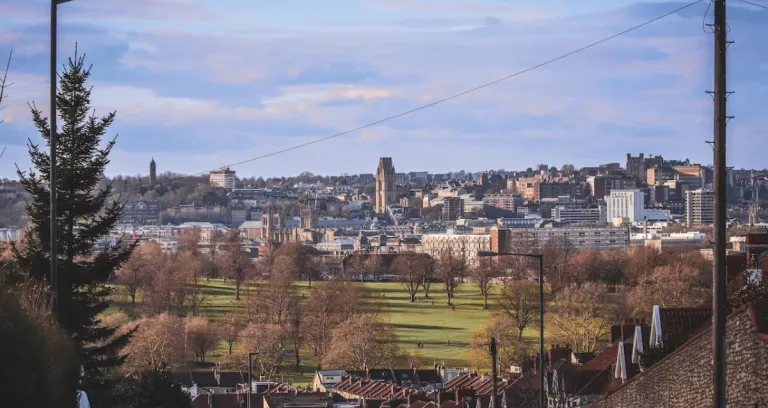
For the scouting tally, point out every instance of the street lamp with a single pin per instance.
(540, 259)
(283, 351)
(52, 177)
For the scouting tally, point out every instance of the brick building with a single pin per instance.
(684, 377)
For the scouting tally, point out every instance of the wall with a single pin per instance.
(684, 378)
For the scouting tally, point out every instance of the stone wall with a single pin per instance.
(684, 378)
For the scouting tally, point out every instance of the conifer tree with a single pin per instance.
(85, 215)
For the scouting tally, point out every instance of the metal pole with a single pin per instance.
(52, 182)
(494, 374)
(541, 331)
(719, 272)
(250, 380)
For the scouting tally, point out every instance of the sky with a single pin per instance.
(199, 84)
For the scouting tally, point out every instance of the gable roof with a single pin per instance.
(182, 377)
(205, 379)
(678, 322)
(230, 379)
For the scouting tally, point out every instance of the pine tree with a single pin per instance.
(85, 215)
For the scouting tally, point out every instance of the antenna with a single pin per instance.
(3, 152)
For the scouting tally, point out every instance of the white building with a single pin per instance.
(463, 246)
(629, 204)
(699, 207)
(223, 178)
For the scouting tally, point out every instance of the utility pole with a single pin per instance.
(494, 374)
(719, 271)
(52, 182)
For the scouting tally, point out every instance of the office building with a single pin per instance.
(625, 204)
(699, 207)
(223, 178)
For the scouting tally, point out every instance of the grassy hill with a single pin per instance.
(444, 332)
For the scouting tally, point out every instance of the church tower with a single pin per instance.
(152, 173)
(385, 184)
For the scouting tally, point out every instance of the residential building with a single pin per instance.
(501, 201)
(223, 178)
(563, 213)
(140, 213)
(625, 204)
(588, 237)
(464, 246)
(681, 378)
(453, 208)
(699, 207)
(385, 184)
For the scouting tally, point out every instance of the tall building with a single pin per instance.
(385, 184)
(152, 173)
(223, 178)
(699, 207)
(636, 165)
(453, 208)
(629, 204)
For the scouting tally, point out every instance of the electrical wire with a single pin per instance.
(763, 6)
(434, 103)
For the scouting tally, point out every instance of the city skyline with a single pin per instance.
(265, 79)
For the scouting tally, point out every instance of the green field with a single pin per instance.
(434, 325)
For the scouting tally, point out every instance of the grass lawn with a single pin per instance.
(434, 325)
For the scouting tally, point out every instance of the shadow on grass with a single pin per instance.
(408, 326)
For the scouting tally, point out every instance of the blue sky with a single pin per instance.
(200, 84)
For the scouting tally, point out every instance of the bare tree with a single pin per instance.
(295, 332)
(165, 289)
(511, 350)
(556, 254)
(266, 340)
(297, 260)
(328, 305)
(159, 342)
(230, 326)
(269, 302)
(519, 302)
(237, 262)
(428, 272)
(409, 270)
(356, 265)
(201, 338)
(132, 274)
(673, 285)
(582, 315)
(373, 263)
(4, 84)
(451, 270)
(363, 341)
(482, 275)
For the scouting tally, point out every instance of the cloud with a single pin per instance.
(233, 84)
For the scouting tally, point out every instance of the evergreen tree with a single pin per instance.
(85, 216)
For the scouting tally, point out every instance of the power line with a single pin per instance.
(437, 102)
(763, 6)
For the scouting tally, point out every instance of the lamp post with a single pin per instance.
(540, 259)
(52, 182)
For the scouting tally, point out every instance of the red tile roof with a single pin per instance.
(371, 389)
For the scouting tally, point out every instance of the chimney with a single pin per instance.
(210, 400)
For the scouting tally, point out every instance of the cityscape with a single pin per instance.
(360, 205)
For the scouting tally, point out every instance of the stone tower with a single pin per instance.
(385, 184)
(152, 173)
(309, 218)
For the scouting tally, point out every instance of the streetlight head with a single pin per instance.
(62, 1)
(487, 253)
